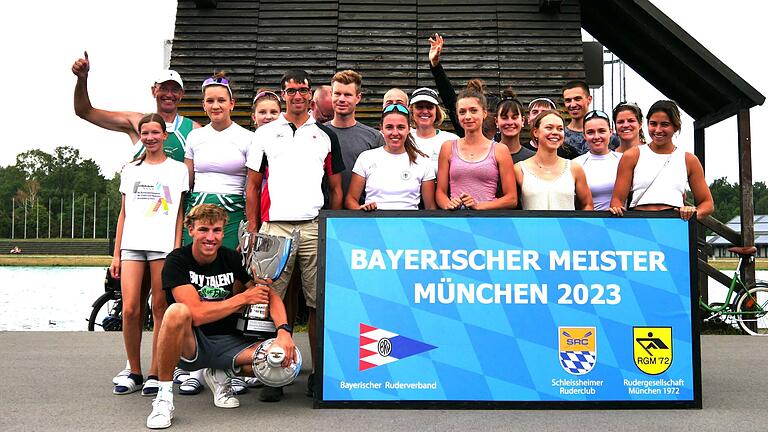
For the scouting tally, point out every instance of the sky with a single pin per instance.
(126, 46)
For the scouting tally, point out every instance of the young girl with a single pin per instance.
(395, 176)
(148, 228)
(472, 166)
(600, 162)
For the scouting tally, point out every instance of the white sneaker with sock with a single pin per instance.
(162, 407)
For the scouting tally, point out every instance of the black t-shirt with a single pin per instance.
(213, 282)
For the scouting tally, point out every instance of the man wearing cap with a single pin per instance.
(167, 90)
(354, 137)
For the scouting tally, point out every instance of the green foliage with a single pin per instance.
(46, 185)
(727, 199)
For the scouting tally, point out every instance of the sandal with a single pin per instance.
(191, 386)
(128, 384)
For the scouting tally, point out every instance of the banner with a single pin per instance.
(497, 310)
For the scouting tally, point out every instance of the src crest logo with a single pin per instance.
(578, 349)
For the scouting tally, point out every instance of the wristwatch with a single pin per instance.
(285, 327)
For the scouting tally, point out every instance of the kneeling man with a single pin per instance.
(206, 286)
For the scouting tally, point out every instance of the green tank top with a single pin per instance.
(176, 143)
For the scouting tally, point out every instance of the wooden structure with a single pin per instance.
(532, 45)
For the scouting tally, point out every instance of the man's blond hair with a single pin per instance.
(205, 213)
(348, 77)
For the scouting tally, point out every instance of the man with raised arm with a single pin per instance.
(168, 90)
(298, 151)
(206, 286)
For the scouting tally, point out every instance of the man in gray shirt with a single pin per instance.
(354, 137)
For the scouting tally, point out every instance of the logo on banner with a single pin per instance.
(652, 349)
(379, 347)
(578, 349)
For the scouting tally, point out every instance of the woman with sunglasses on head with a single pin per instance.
(216, 156)
(509, 120)
(396, 176)
(427, 115)
(548, 181)
(628, 118)
(470, 167)
(600, 162)
(656, 174)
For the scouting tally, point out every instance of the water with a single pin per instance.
(60, 298)
(48, 298)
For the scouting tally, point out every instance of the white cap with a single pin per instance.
(169, 75)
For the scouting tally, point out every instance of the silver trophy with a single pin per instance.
(265, 257)
(267, 364)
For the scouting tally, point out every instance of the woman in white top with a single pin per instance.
(427, 116)
(599, 163)
(395, 176)
(216, 156)
(148, 228)
(628, 118)
(656, 174)
(548, 181)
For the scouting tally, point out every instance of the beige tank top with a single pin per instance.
(555, 194)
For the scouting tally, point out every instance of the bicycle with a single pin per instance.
(107, 310)
(750, 303)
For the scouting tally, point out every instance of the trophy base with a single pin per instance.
(262, 329)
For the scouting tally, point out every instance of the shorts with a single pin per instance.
(216, 351)
(141, 255)
(306, 255)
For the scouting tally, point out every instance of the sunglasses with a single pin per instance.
(401, 108)
(292, 91)
(628, 104)
(597, 113)
(542, 100)
(221, 81)
(269, 94)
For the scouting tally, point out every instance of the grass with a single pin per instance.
(55, 260)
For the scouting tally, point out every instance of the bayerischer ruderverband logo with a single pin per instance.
(379, 347)
(578, 349)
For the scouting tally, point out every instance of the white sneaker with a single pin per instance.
(252, 382)
(161, 415)
(123, 373)
(221, 387)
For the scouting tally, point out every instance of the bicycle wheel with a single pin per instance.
(106, 314)
(752, 307)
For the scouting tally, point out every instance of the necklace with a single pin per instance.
(546, 168)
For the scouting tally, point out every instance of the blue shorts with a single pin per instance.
(216, 351)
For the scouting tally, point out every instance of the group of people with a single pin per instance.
(189, 187)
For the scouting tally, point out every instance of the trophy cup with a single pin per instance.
(265, 257)
(267, 365)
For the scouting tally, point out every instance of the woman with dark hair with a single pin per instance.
(148, 228)
(427, 115)
(548, 181)
(628, 119)
(600, 162)
(509, 120)
(656, 174)
(395, 176)
(470, 167)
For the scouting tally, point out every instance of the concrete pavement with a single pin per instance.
(61, 381)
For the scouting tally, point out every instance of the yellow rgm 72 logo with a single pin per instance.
(652, 349)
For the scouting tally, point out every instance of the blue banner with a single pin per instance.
(507, 309)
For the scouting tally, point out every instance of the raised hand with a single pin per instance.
(435, 49)
(81, 66)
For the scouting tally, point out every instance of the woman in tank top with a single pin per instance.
(548, 181)
(656, 174)
(599, 163)
(469, 168)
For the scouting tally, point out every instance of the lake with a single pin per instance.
(60, 298)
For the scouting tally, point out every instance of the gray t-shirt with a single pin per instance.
(353, 141)
(523, 154)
